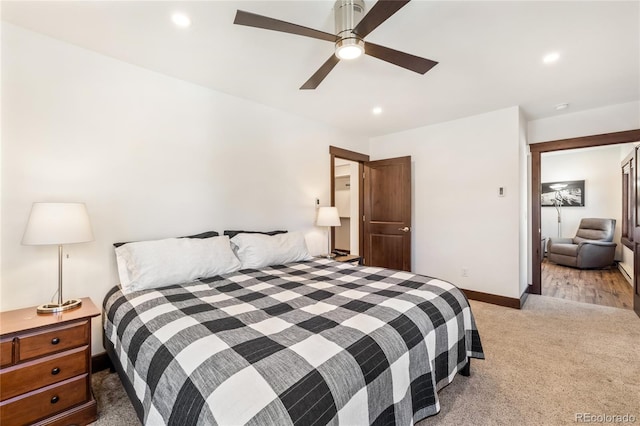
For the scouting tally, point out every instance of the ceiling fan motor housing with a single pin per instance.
(348, 14)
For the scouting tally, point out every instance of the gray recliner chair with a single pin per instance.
(592, 247)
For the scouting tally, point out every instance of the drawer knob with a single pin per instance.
(54, 399)
(55, 341)
(55, 371)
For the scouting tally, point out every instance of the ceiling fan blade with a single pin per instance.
(252, 20)
(320, 75)
(380, 12)
(401, 59)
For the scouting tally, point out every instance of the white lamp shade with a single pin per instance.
(328, 216)
(57, 224)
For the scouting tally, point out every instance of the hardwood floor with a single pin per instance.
(606, 287)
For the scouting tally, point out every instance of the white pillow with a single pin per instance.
(257, 250)
(151, 264)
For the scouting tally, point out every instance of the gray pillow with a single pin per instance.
(232, 234)
(207, 234)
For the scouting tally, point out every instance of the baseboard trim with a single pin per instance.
(625, 274)
(100, 362)
(508, 302)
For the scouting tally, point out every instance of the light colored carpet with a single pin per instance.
(546, 363)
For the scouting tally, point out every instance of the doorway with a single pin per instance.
(355, 162)
(579, 184)
(536, 185)
(347, 197)
(383, 207)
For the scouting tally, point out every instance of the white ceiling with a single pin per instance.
(489, 54)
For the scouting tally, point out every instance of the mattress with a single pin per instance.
(316, 342)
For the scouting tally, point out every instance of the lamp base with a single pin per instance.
(52, 308)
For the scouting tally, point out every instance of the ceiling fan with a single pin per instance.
(352, 26)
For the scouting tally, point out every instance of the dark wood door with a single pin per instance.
(387, 213)
(636, 233)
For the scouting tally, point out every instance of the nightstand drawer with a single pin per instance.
(52, 340)
(35, 374)
(45, 402)
(6, 352)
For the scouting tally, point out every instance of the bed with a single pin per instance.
(307, 342)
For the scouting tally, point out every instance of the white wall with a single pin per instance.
(525, 197)
(600, 169)
(612, 118)
(150, 155)
(458, 219)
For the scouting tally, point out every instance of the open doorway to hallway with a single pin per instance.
(583, 184)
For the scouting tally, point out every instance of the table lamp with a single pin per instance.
(58, 224)
(328, 216)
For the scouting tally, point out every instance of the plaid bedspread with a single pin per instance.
(308, 343)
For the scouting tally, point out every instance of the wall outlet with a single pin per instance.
(465, 272)
(502, 191)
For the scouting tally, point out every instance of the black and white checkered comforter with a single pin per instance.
(308, 343)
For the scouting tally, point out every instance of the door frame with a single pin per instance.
(345, 154)
(536, 150)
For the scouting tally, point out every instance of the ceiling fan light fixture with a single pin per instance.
(349, 48)
(352, 26)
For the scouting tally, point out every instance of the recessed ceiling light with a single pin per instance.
(181, 20)
(562, 106)
(550, 58)
(377, 111)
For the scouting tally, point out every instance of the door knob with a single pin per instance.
(405, 229)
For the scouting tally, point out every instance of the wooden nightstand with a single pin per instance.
(350, 258)
(45, 367)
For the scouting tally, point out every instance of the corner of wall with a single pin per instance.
(525, 265)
